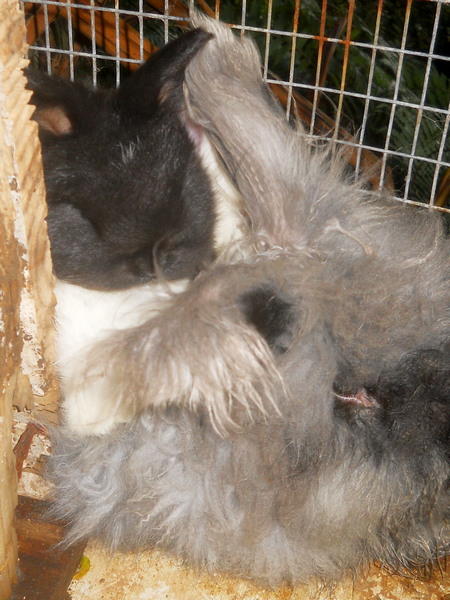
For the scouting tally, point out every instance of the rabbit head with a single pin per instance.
(127, 194)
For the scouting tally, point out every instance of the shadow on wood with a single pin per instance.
(45, 572)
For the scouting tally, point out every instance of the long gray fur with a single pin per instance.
(240, 459)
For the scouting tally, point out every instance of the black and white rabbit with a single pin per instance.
(126, 189)
(291, 405)
(136, 199)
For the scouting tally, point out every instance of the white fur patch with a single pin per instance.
(84, 318)
(129, 151)
(230, 226)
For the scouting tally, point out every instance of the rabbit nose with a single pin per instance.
(360, 399)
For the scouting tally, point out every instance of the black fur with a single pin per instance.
(271, 315)
(126, 191)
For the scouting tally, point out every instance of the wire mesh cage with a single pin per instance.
(374, 74)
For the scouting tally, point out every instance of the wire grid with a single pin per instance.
(335, 68)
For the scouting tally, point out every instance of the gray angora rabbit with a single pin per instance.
(286, 414)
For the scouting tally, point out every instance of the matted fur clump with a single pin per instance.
(290, 410)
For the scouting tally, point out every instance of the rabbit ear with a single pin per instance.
(160, 76)
(226, 95)
(62, 106)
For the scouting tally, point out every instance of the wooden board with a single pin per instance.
(26, 297)
(26, 282)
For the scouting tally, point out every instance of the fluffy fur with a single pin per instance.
(292, 403)
(85, 317)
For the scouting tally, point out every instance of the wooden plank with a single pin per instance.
(11, 283)
(28, 281)
(26, 300)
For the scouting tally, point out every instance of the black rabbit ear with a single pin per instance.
(54, 120)
(61, 105)
(161, 76)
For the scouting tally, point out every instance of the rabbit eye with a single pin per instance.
(142, 266)
(272, 316)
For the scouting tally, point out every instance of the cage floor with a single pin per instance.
(155, 576)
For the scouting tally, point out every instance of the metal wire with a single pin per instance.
(326, 101)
